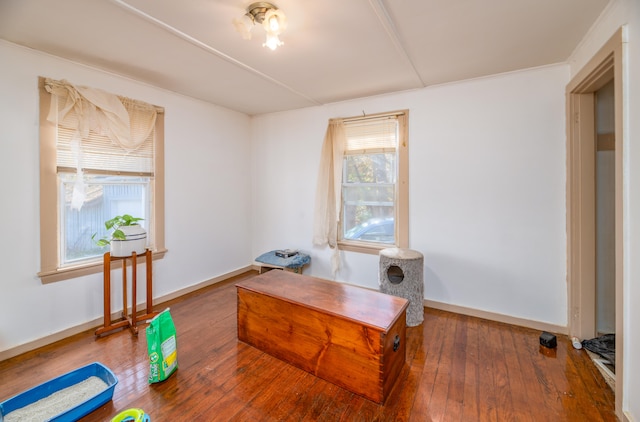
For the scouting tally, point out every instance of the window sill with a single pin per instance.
(93, 267)
(363, 247)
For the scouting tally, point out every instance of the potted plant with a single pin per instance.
(128, 236)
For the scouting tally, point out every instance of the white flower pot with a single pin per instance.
(136, 241)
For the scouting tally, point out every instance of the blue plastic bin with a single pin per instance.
(63, 381)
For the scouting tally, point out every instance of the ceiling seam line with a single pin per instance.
(197, 43)
(383, 16)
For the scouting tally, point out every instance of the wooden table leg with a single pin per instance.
(124, 288)
(149, 284)
(134, 279)
(107, 289)
(108, 324)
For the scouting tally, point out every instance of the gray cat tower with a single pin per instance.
(402, 275)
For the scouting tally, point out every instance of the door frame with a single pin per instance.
(605, 65)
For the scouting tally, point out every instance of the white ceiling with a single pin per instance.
(333, 50)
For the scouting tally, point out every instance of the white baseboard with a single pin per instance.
(52, 338)
(206, 283)
(492, 316)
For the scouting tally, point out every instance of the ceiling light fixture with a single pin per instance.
(273, 21)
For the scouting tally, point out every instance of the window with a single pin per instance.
(362, 195)
(89, 175)
(106, 197)
(374, 183)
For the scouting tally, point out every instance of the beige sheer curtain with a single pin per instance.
(83, 110)
(327, 210)
(87, 109)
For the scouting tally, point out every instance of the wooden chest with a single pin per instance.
(349, 336)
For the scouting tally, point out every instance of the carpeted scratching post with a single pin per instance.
(402, 274)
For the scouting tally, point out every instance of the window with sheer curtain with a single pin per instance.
(362, 194)
(101, 156)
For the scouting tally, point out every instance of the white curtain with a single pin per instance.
(327, 210)
(84, 109)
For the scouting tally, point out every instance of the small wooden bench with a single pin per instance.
(270, 260)
(350, 336)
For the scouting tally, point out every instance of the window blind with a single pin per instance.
(371, 135)
(100, 155)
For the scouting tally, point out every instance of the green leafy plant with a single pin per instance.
(115, 223)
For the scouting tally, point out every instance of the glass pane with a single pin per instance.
(368, 197)
(370, 168)
(106, 197)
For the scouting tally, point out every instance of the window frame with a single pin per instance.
(50, 269)
(401, 198)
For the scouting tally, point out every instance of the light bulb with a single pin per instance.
(243, 26)
(275, 22)
(272, 42)
(274, 25)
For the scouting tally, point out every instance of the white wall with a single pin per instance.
(625, 13)
(487, 190)
(208, 200)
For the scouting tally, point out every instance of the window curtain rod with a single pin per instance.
(371, 116)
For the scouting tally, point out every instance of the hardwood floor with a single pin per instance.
(458, 368)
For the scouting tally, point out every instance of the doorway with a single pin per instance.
(605, 296)
(595, 200)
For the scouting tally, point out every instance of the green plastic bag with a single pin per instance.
(162, 347)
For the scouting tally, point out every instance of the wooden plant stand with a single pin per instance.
(128, 320)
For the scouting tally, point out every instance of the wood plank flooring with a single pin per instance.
(458, 368)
